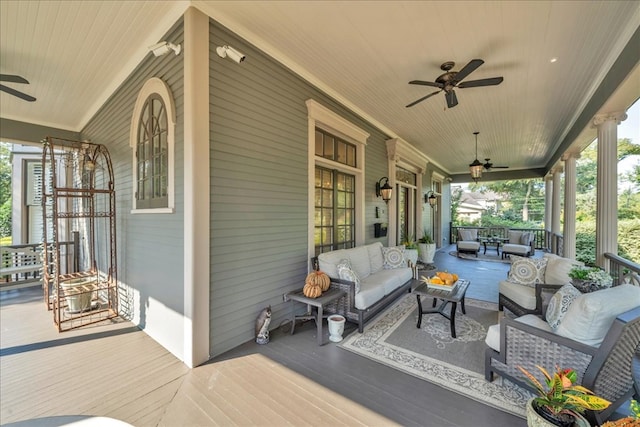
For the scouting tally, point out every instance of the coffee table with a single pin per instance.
(454, 297)
(493, 241)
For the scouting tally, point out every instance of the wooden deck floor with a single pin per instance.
(115, 370)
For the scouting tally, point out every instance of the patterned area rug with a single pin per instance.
(431, 354)
(491, 256)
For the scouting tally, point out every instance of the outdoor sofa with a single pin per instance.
(372, 276)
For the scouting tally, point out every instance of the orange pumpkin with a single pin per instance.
(320, 279)
(311, 290)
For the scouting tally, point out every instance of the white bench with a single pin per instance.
(20, 266)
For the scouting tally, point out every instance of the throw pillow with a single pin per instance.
(346, 273)
(525, 239)
(527, 271)
(560, 303)
(393, 257)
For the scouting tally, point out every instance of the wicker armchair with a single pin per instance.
(606, 370)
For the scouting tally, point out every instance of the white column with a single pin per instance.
(196, 188)
(607, 186)
(570, 204)
(548, 208)
(555, 202)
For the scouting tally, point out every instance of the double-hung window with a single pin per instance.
(336, 181)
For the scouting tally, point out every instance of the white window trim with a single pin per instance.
(325, 119)
(401, 153)
(155, 86)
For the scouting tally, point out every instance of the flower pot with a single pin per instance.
(427, 252)
(535, 419)
(411, 255)
(336, 327)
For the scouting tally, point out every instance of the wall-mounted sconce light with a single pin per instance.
(162, 48)
(224, 51)
(431, 198)
(384, 190)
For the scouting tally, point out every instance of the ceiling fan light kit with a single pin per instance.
(450, 80)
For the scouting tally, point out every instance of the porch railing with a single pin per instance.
(622, 270)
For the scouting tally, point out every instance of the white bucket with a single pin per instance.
(336, 327)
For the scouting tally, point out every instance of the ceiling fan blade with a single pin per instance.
(499, 167)
(482, 82)
(468, 69)
(423, 83)
(17, 93)
(422, 99)
(13, 79)
(452, 100)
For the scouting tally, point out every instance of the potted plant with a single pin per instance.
(561, 401)
(410, 250)
(427, 248)
(589, 279)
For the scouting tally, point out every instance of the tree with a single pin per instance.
(5, 190)
(522, 200)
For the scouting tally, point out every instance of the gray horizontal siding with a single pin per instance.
(259, 219)
(150, 246)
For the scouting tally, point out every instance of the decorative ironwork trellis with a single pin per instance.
(78, 196)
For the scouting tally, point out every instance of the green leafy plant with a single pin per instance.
(409, 242)
(426, 238)
(561, 395)
(594, 275)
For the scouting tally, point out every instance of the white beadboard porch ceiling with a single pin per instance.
(364, 53)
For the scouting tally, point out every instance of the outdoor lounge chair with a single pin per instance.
(605, 368)
(468, 241)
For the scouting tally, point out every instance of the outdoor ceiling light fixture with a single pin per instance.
(384, 190)
(162, 48)
(475, 168)
(227, 51)
(430, 198)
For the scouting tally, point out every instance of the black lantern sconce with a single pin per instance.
(431, 198)
(384, 190)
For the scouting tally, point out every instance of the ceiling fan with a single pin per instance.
(450, 80)
(488, 165)
(15, 79)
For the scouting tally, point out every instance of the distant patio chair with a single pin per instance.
(468, 241)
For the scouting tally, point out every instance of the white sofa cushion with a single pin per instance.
(558, 268)
(524, 296)
(560, 303)
(493, 333)
(515, 236)
(512, 248)
(376, 286)
(359, 257)
(328, 261)
(527, 271)
(468, 246)
(375, 257)
(393, 257)
(590, 316)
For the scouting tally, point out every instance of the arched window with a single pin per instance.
(152, 139)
